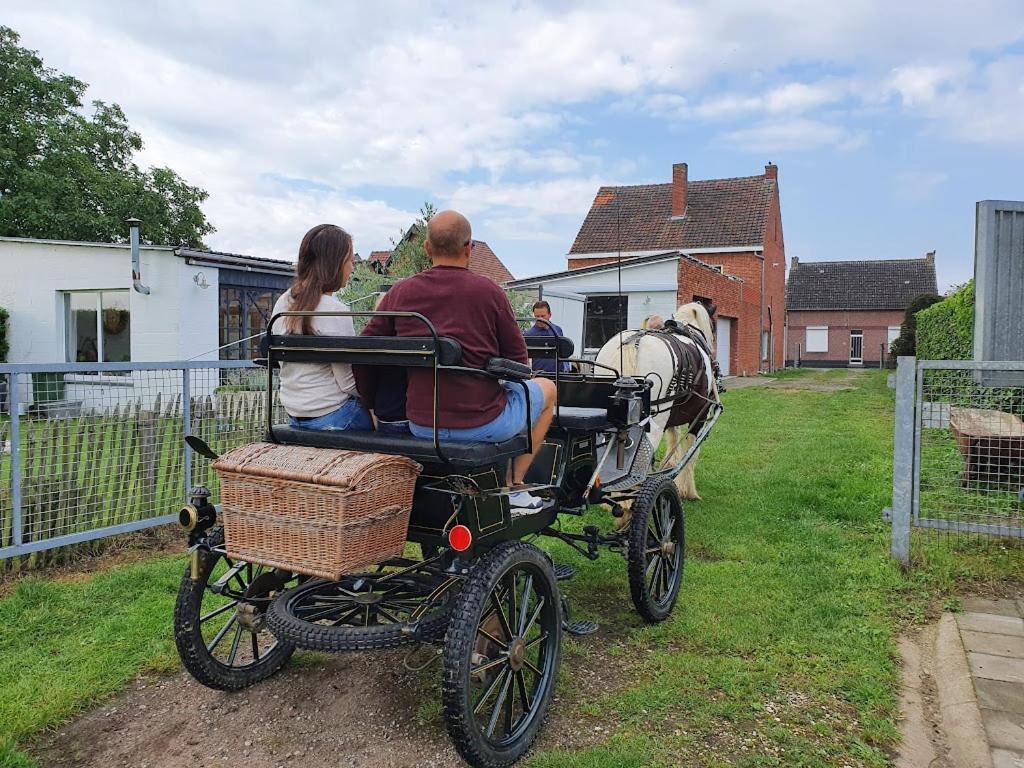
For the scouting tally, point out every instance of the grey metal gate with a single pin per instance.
(958, 463)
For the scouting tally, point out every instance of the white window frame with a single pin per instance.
(893, 333)
(68, 325)
(818, 331)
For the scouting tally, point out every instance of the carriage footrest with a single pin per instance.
(564, 572)
(581, 627)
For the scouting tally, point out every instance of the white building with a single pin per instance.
(75, 302)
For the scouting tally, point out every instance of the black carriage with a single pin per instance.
(481, 588)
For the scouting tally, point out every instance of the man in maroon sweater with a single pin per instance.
(475, 312)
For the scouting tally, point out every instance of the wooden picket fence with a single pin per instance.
(100, 470)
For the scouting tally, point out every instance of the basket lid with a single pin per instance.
(321, 466)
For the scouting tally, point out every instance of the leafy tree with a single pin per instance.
(4, 346)
(69, 175)
(906, 342)
(408, 255)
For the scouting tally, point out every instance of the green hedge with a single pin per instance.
(945, 331)
(4, 346)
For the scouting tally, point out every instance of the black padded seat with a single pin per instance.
(463, 455)
(570, 417)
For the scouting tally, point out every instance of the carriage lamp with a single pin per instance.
(627, 405)
(459, 538)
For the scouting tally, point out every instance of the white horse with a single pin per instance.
(649, 357)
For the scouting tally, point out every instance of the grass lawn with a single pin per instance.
(781, 650)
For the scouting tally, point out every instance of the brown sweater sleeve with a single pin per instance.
(511, 344)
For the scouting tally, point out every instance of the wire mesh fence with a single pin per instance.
(95, 450)
(963, 422)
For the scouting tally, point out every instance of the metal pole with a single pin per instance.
(903, 459)
(799, 349)
(186, 415)
(14, 408)
(881, 356)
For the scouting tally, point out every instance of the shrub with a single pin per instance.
(906, 342)
(945, 331)
(4, 346)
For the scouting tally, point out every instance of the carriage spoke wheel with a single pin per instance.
(362, 611)
(656, 551)
(219, 621)
(501, 655)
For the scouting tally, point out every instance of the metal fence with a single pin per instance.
(90, 450)
(958, 468)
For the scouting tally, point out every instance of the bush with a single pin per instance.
(906, 342)
(4, 346)
(945, 331)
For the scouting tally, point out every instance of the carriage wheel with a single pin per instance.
(361, 612)
(656, 553)
(501, 655)
(222, 637)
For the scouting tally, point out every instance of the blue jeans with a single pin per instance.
(351, 415)
(508, 424)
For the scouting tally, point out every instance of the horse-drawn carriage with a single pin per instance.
(477, 584)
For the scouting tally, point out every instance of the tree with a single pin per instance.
(409, 256)
(906, 342)
(71, 176)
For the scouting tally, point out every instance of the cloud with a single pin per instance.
(794, 136)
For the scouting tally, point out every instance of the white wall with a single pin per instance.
(178, 320)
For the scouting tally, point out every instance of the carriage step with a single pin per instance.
(564, 572)
(581, 627)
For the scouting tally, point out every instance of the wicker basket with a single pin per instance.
(316, 511)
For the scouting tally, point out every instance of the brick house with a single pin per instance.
(482, 261)
(847, 313)
(724, 237)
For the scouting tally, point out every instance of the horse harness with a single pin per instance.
(686, 345)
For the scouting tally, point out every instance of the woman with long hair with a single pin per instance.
(320, 395)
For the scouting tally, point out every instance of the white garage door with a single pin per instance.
(723, 341)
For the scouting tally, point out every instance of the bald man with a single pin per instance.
(474, 311)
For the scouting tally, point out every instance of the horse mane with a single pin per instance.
(696, 314)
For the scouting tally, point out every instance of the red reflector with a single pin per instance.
(460, 538)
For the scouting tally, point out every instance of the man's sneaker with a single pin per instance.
(525, 502)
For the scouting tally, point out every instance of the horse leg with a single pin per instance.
(685, 480)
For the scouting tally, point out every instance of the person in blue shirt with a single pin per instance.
(542, 311)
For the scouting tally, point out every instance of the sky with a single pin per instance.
(888, 120)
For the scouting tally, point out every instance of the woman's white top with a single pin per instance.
(316, 389)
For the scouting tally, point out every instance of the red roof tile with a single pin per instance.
(483, 261)
(720, 213)
(378, 257)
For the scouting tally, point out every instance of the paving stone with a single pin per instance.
(1005, 730)
(996, 694)
(996, 667)
(988, 622)
(1005, 758)
(991, 643)
(999, 607)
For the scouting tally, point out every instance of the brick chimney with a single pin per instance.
(794, 262)
(679, 182)
(930, 257)
(771, 171)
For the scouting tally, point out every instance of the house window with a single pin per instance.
(764, 345)
(604, 317)
(244, 313)
(817, 338)
(98, 327)
(894, 333)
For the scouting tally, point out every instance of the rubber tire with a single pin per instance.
(637, 546)
(458, 649)
(318, 637)
(189, 639)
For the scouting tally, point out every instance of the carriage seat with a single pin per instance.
(461, 455)
(584, 419)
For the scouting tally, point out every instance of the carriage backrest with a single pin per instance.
(404, 351)
(545, 347)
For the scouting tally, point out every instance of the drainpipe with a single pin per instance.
(133, 234)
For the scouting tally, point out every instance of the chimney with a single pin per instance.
(771, 171)
(793, 264)
(679, 182)
(133, 238)
(930, 257)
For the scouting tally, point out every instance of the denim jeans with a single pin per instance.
(351, 415)
(508, 424)
(393, 427)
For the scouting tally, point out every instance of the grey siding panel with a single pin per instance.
(999, 286)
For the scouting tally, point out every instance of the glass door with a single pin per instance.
(856, 347)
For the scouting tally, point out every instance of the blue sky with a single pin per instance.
(888, 120)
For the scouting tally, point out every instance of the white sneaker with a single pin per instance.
(524, 502)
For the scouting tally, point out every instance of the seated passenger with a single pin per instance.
(474, 311)
(320, 396)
